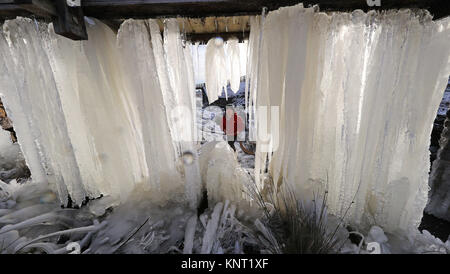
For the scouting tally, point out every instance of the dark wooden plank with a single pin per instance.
(10, 11)
(204, 37)
(202, 8)
(119, 9)
(40, 8)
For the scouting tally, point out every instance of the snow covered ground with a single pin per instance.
(32, 221)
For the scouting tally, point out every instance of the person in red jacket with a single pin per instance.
(231, 125)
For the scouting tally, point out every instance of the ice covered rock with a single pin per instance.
(222, 175)
(376, 234)
(12, 164)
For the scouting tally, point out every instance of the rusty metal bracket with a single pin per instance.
(69, 21)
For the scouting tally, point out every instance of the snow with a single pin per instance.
(9, 152)
(445, 103)
(356, 94)
(12, 164)
(439, 195)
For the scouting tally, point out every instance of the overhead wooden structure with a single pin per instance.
(202, 29)
(67, 14)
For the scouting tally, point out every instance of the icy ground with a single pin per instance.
(32, 221)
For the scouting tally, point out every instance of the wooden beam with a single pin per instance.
(204, 37)
(10, 11)
(114, 9)
(121, 9)
(40, 8)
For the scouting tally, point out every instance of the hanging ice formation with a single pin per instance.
(225, 62)
(251, 82)
(216, 69)
(199, 67)
(100, 116)
(182, 105)
(356, 95)
(234, 63)
(243, 50)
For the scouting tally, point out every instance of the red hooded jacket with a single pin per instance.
(237, 125)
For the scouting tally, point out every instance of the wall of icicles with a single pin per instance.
(101, 116)
(355, 96)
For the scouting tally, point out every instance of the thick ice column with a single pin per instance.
(99, 116)
(31, 94)
(93, 90)
(145, 97)
(357, 94)
(251, 82)
(15, 110)
(175, 71)
(181, 81)
(183, 109)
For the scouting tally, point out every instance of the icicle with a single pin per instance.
(357, 94)
(234, 61)
(189, 234)
(45, 136)
(179, 65)
(144, 94)
(87, 130)
(216, 69)
(243, 48)
(211, 230)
